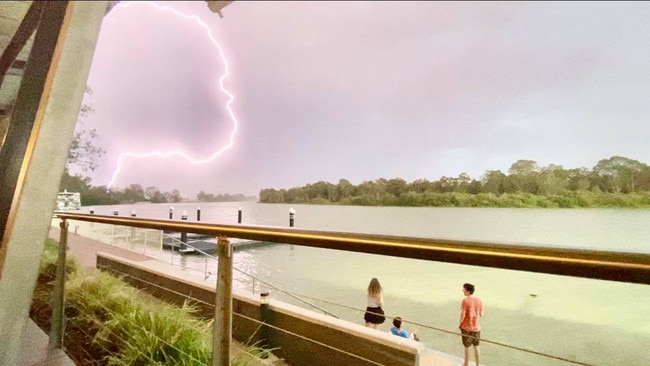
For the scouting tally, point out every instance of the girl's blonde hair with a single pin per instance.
(374, 288)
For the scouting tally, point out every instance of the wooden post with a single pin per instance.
(221, 342)
(292, 214)
(56, 329)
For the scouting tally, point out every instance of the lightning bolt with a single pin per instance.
(231, 98)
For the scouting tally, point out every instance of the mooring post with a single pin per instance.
(292, 213)
(171, 213)
(92, 211)
(223, 305)
(116, 212)
(56, 329)
(265, 315)
(239, 216)
(198, 213)
(132, 228)
(183, 234)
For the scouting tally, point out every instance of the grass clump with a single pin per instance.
(133, 329)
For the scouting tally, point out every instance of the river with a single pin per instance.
(591, 321)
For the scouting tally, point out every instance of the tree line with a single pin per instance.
(100, 195)
(614, 182)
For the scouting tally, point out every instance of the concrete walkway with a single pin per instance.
(36, 351)
(85, 250)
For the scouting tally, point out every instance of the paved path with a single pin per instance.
(85, 250)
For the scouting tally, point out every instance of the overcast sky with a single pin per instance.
(367, 90)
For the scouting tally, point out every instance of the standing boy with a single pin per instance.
(471, 310)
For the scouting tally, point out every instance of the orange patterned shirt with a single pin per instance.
(471, 309)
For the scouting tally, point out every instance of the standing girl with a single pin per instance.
(374, 313)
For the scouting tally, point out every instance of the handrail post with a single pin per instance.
(56, 329)
(144, 250)
(223, 305)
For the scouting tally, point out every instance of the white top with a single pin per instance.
(376, 302)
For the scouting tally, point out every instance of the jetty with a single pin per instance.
(199, 243)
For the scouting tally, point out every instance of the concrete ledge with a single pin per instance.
(308, 338)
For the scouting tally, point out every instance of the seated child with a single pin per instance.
(397, 330)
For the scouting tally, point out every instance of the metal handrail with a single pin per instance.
(604, 265)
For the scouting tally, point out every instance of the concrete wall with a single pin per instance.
(352, 339)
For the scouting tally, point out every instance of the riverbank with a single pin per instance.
(568, 199)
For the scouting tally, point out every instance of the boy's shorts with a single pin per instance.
(470, 338)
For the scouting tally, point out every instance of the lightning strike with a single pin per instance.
(231, 98)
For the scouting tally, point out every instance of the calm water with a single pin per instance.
(595, 322)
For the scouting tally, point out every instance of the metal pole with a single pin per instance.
(56, 329)
(223, 306)
(239, 216)
(198, 213)
(132, 238)
(171, 213)
(292, 214)
(183, 234)
(265, 315)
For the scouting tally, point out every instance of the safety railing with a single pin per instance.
(612, 266)
(604, 265)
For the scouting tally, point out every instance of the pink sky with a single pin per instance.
(363, 90)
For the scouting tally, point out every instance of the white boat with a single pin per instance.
(68, 201)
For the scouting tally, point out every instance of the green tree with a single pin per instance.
(493, 182)
(133, 193)
(419, 186)
(619, 174)
(174, 196)
(523, 176)
(578, 179)
(552, 180)
(461, 184)
(396, 186)
(345, 189)
(84, 153)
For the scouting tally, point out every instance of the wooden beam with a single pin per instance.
(25, 30)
